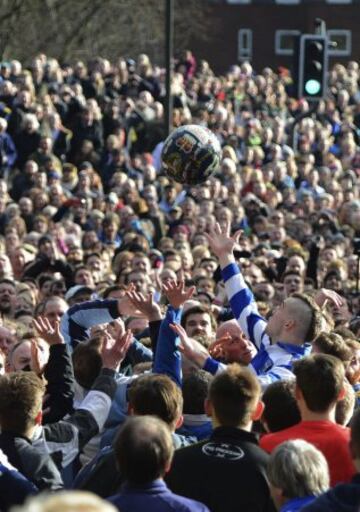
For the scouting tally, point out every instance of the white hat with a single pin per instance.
(74, 290)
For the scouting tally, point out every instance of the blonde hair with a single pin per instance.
(68, 501)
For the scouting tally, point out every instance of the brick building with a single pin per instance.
(262, 30)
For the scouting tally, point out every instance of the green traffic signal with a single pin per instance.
(312, 65)
(312, 87)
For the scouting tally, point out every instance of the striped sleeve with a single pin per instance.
(273, 364)
(212, 366)
(80, 317)
(244, 307)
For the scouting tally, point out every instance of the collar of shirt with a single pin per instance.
(236, 434)
(304, 349)
(195, 419)
(154, 487)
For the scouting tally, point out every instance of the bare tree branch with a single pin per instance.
(65, 29)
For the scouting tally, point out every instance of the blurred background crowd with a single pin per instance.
(84, 201)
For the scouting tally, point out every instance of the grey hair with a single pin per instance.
(298, 469)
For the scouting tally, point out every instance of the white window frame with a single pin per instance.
(337, 52)
(244, 54)
(278, 35)
(339, 1)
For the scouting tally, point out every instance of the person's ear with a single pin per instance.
(168, 465)
(38, 419)
(289, 325)
(179, 422)
(208, 408)
(259, 409)
(298, 394)
(341, 395)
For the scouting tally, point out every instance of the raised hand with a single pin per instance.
(116, 328)
(50, 334)
(176, 293)
(220, 241)
(324, 296)
(146, 305)
(125, 306)
(218, 348)
(191, 348)
(113, 353)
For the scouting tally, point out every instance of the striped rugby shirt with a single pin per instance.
(273, 361)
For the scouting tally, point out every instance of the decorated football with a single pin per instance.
(191, 153)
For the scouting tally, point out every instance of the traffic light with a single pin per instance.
(313, 63)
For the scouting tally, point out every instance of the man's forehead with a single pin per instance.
(23, 348)
(292, 277)
(7, 286)
(204, 315)
(56, 305)
(140, 258)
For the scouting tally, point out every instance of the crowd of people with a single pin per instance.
(175, 347)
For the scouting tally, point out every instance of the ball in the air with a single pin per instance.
(191, 153)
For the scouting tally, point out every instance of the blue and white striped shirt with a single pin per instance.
(273, 361)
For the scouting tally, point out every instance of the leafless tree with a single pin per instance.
(72, 29)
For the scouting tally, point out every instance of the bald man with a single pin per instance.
(238, 348)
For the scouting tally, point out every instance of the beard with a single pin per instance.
(5, 307)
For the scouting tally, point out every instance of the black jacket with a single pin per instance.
(226, 472)
(341, 498)
(60, 384)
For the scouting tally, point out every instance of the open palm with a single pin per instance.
(220, 240)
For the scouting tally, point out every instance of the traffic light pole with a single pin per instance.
(311, 66)
(320, 27)
(169, 36)
(297, 120)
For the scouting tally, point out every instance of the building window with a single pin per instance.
(342, 38)
(339, 1)
(285, 41)
(244, 44)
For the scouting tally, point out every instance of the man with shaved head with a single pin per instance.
(281, 340)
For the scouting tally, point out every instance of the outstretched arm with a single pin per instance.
(240, 296)
(151, 310)
(167, 358)
(78, 319)
(58, 373)
(69, 436)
